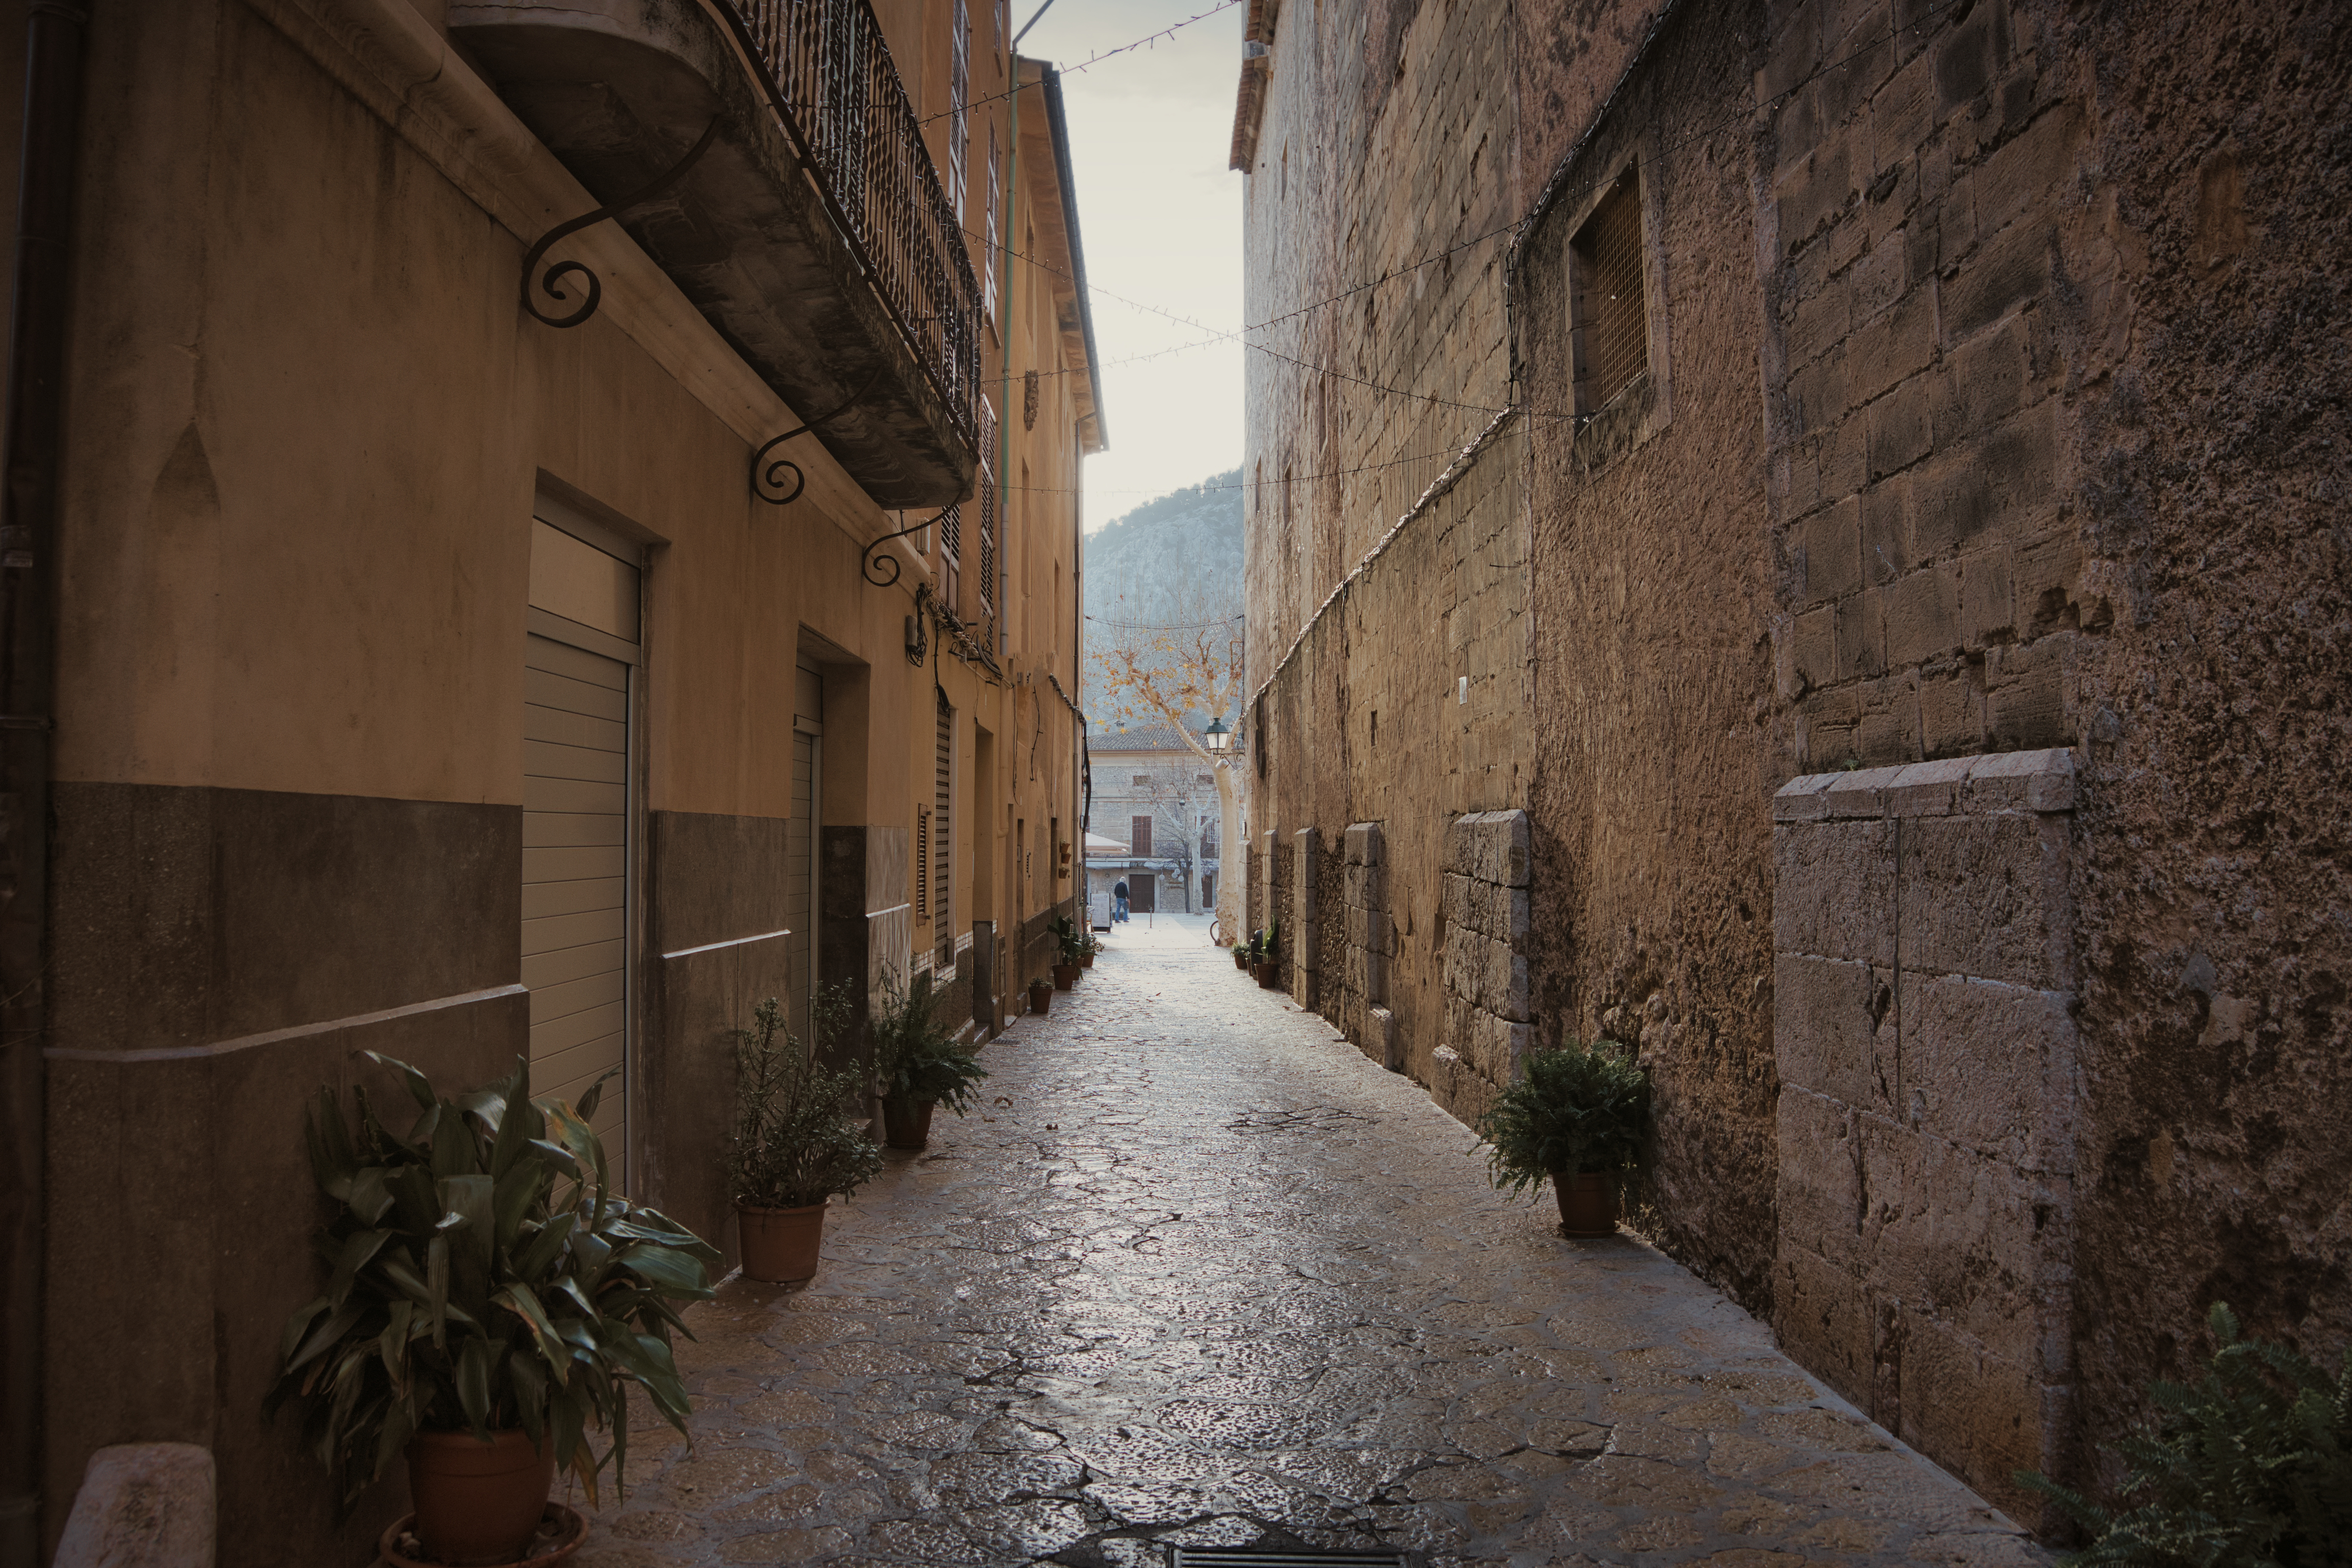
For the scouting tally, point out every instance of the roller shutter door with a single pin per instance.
(575, 864)
(578, 819)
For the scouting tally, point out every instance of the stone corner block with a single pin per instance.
(1363, 844)
(1928, 789)
(142, 1505)
(1802, 798)
(2032, 781)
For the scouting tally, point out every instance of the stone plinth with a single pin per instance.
(1923, 978)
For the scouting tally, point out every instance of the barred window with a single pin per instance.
(1609, 319)
(1029, 400)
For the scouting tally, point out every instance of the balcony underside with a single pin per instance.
(619, 91)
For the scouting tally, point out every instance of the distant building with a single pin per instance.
(1155, 797)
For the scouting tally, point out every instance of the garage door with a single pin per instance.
(577, 824)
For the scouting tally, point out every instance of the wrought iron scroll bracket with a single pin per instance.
(875, 556)
(593, 289)
(768, 482)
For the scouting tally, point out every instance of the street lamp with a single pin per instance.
(1220, 739)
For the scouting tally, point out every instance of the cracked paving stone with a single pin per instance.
(1201, 1274)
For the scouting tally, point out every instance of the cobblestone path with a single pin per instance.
(1203, 1274)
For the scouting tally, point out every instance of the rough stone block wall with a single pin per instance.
(1658, 743)
(1923, 992)
(1488, 869)
(1386, 141)
(1937, 266)
(1358, 997)
(1302, 923)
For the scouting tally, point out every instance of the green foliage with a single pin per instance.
(917, 1057)
(482, 1276)
(1065, 933)
(790, 1145)
(1577, 1109)
(2250, 1467)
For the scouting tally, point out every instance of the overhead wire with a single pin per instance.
(1094, 59)
(1216, 336)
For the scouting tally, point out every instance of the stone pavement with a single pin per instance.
(1203, 1274)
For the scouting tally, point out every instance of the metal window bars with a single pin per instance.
(838, 94)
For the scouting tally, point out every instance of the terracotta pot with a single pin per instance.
(780, 1245)
(1241, 959)
(476, 1501)
(1588, 1201)
(907, 1124)
(1041, 998)
(1269, 976)
(1085, 961)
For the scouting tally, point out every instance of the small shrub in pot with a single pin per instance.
(793, 1145)
(920, 1060)
(1577, 1118)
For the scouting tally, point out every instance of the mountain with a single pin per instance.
(1176, 557)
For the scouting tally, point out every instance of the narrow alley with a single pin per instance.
(1203, 1275)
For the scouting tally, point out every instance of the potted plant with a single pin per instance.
(1065, 966)
(921, 1062)
(1087, 948)
(792, 1148)
(1041, 994)
(1242, 951)
(1577, 1118)
(1268, 966)
(489, 1300)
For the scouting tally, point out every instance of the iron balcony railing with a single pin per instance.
(832, 81)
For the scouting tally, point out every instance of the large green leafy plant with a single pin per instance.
(1066, 936)
(2250, 1466)
(916, 1055)
(1579, 1109)
(791, 1146)
(484, 1276)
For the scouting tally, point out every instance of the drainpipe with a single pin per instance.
(54, 40)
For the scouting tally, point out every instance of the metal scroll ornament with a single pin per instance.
(876, 558)
(593, 289)
(768, 479)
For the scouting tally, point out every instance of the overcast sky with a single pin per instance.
(1161, 220)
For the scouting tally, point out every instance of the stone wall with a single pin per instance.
(1992, 409)
(1658, 741)
(1357, 1000)
(1924, 987)
(1487, 921)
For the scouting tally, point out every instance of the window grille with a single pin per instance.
(1029, 400)
(1141, 780)
(1610, 343)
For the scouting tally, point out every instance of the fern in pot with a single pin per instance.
(793, 1145)
(1576, 1118)
(489, 1300)
(921, 1062)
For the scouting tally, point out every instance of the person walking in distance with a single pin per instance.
(1118, 902)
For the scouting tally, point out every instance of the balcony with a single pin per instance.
(812, 232)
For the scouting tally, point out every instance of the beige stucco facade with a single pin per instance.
(307, 432)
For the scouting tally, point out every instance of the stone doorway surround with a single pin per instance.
(1922, 986)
